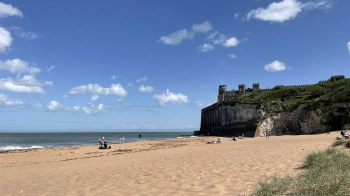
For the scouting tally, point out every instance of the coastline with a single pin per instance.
(34, 140)
(185, 166)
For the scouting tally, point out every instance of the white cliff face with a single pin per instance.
(297, 122)
(267, 124)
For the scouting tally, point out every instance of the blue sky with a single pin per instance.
(153, 65)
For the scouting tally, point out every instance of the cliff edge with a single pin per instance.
(317, 108)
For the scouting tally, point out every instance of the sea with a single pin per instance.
(26, 140)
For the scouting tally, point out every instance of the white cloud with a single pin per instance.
(349, 47)
(275, 66)
(170, 97)
(94, 98)
(18, 66)
(29, 35)
(201, 104)
(232, 56)
(321, 4)
(54, 106)
(180, 35)
(7, 10)
(211, 36)
(28, 84)
(92, 109)
(205, 47)
(221, 39)
(285, 10)
(236, 15)
(115, 89)
(203, 86)
(146, 89)
(30, 80)
(5, 39)
(50, 68)
(231, 42)
(113, 77)
(202, 28)
(131, 85)
(142, 79)
(177, 37)
(26, 35)
(122, 99)
(7, 100)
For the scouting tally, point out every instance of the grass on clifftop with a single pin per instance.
(336, 89)
(326, 173)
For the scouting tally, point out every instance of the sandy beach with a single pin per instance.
(185, 166)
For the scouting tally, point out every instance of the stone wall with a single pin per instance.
(229, 119)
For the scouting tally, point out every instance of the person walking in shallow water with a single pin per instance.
(139, 136)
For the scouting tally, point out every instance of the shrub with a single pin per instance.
(338, 143)
(347, 144)
(326, 173)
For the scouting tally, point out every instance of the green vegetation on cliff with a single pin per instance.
(320, 96)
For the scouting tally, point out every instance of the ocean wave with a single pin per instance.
(6, 148)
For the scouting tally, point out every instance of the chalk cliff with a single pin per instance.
(254, 120)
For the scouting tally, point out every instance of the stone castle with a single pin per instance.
(225, 95)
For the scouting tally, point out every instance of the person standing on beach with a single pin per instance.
(139, 136)
(267, 134)
(100, 141)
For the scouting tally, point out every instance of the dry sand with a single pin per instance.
(173, 167)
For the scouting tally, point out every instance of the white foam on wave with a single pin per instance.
(6, 148)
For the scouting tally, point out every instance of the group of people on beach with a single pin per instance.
(239, 137)
(103, 143)
(214, 142)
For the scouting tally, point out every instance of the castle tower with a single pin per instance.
(222, 91)
(241, 88)
(256, 86)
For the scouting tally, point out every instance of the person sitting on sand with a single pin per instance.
(105, 146)
(219, 141)
(234, 138)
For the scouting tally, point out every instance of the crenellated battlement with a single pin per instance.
(292, 86)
